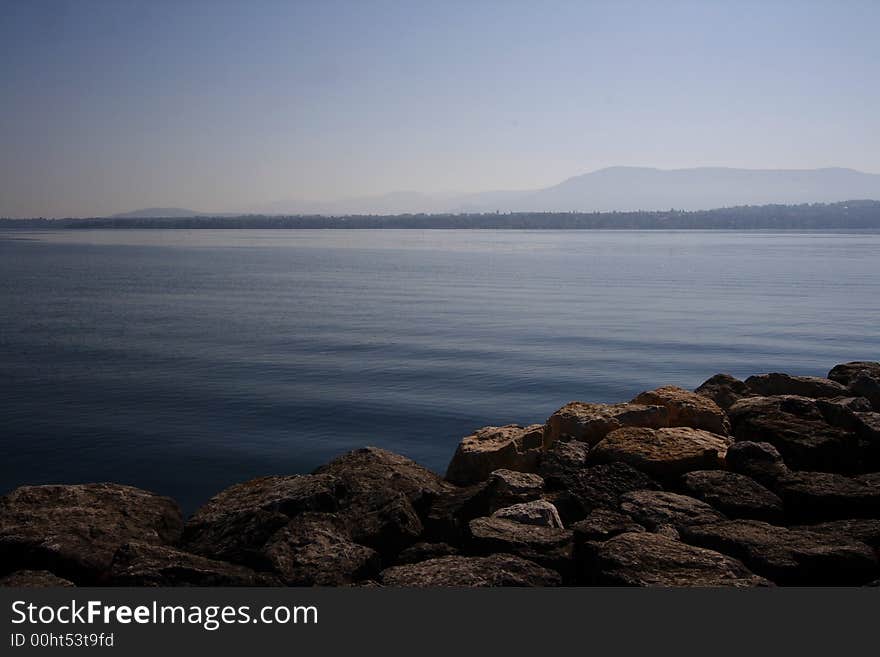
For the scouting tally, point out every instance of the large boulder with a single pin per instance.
(590, 423)
(788, 556)
(510, 447)
(642, 559)
(34, 579)
(818, 496)
(315, 550)
(797, 428)
(236, 523)
(657, 510)
(141, 564)
(536, 512)
(759, 461)
(846, 373)
(724, 389)
(867, 386)
(549, 546)
(735, 495)
(458, 571)
(662, 453)
(687, 409)
(776, 383)
(74, 530)
(862, 378)
(596, 487)
(384, 496)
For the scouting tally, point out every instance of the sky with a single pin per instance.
(222, 106)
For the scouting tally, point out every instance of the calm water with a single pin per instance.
(185, 361)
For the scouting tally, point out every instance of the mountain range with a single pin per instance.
(611, 189)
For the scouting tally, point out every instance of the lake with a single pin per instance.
(184, 361)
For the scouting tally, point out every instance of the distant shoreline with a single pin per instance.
(850, 215)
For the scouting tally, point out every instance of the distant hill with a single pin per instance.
(159, 213)
(845, 216)
(619, 189)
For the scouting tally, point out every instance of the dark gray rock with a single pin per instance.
(425, 551)
(74, 530)
(548, 546)
(865, 530)
(458, 571)
(34, 579)
(603, 524)
(788, 556)
(734, 494)
(140, 564)
(776, 383)
(643, 559)
(759, 461)
(236, 523)
(817, 496)
(655, 509)
(724, 390)
(315, 550)
(597, 487)
(797, 428)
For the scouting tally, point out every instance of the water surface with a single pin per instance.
(183, 361)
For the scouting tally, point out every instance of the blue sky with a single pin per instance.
(218, 106)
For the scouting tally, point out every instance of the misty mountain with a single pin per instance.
(621, 189)
(163, 213)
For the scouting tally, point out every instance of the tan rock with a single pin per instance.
(510, 447)
(664, 453)
(687, 409)
(590, 423)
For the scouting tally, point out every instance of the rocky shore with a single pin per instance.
(774, 480)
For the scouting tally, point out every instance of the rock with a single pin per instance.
(846, 373)
(775, 383)
(860, 529)
(662, 453)
(33, 579)
(841, 411)
(314, 550)
(603, 524)
(456, 571)
(510, 447)
(561, 461)
(366, 470)
(759, 461)
(424, 552)
(590, 423)
(597, 487)
(74, 530)
(687, 409)
(796, 427)
(506, 487)
(656, 509)
(724, 390)
(449, 514)
(141, 564)
(537, 512)
(817, 496)
(735, 495)
(868, 386)
(547, 546)
(236, 523)
(384, 495)
(642, 559)
(788, 556)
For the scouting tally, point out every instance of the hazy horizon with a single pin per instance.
(220, 107)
